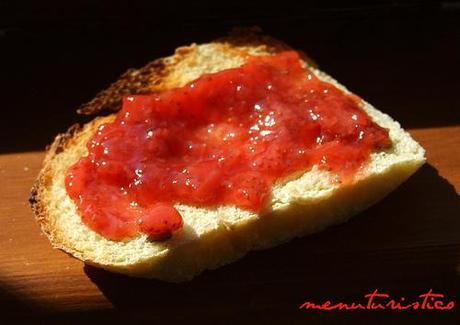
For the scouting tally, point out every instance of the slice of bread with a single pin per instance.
(304, 203)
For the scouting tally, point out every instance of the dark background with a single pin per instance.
(55, 55)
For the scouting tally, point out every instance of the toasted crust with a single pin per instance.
(38, 200)
(153, 76)
(300, 205)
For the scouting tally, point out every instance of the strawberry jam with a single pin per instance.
(223, 139)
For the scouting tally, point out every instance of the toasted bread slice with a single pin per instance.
(302, 204)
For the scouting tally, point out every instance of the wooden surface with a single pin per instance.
(408, 243)
(404, 245)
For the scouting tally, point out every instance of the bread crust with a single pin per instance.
(37, 199)
(150, 78)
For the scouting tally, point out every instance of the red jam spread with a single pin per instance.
(223, 139)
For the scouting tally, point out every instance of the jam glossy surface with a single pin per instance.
(223, 139)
